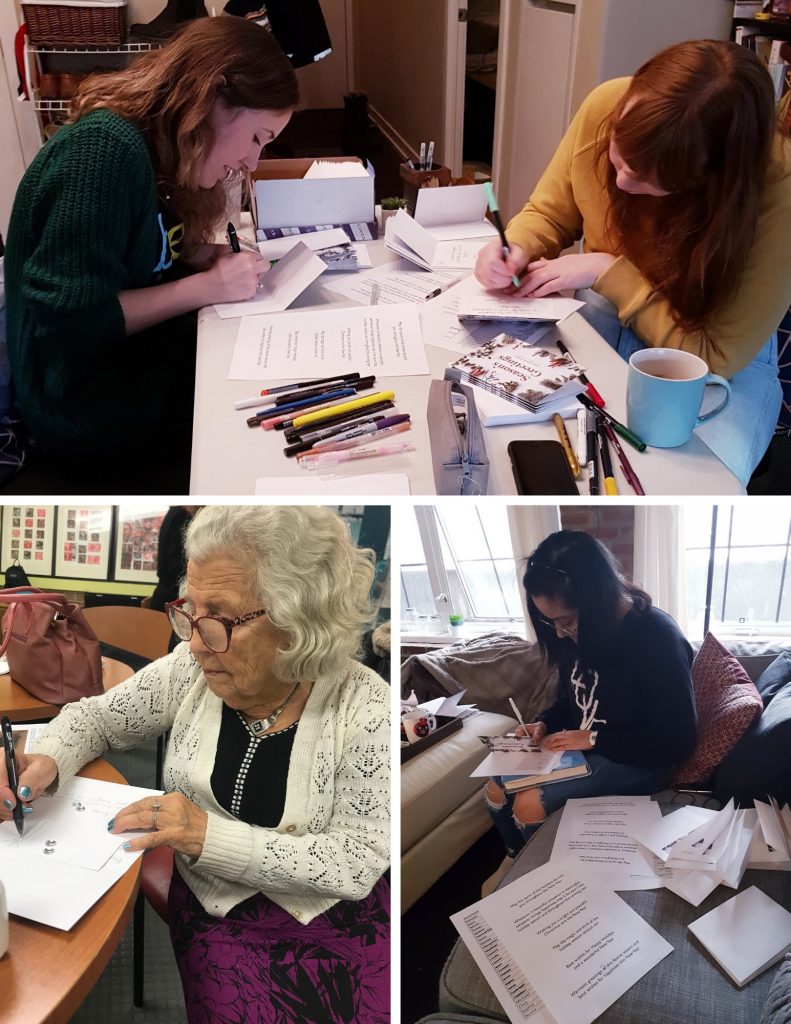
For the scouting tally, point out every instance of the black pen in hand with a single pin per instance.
(13, 776)
(233, 239)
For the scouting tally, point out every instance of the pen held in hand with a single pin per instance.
(516, 712)
(18, 812)
(233, 239)
(495, 211)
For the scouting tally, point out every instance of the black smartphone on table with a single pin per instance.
(540, 468)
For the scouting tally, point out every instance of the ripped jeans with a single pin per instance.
(607, 778)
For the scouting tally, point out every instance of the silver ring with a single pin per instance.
(155, 806)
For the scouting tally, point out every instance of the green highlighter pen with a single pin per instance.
(628, 435)
(495, 209)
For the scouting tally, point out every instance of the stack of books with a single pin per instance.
(523, 374)
(572, 765)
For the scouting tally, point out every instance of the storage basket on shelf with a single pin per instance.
(75, 22)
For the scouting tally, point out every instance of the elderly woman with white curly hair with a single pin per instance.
(276, 772)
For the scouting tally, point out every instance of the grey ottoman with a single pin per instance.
(686, 987)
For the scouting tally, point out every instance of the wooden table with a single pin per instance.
(47, 973)
(21, 706)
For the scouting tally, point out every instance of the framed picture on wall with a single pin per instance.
(136, 542)
(83, 539)
(28, 537)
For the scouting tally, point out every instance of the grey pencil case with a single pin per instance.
(458, 454)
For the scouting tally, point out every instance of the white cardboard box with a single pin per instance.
(281, 198)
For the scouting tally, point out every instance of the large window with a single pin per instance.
(738, 579)
(458, 559)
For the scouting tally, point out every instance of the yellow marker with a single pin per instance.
(610, 486)
(568, 451)
(337, 410)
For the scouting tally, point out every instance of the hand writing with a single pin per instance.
(234, 277)
(36, 772)
(546, 277)
(494, 272)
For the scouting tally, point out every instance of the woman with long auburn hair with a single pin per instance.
(111, 246)
(679, 183)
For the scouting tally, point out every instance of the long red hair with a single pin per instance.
(698, 120)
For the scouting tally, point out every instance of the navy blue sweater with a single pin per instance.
(641, 702)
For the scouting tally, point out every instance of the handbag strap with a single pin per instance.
(13, 596)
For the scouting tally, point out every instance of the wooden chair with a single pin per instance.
(147, 633)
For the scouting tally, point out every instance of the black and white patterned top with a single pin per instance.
(250, 772)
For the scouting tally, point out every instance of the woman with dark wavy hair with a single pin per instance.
(625, 693)
(111, 242)
(679, 182)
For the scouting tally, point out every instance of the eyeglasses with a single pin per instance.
(214, 630)
(561, 629)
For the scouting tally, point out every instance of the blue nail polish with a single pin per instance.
(27, 810)
(8, 804)
(110, 824)
(127, 846)
(26, 792)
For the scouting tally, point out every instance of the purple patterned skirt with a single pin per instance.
(258, 965)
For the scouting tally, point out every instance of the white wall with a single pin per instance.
(399, 60)
(553, 53)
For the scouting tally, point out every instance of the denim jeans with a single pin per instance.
(607, 778)
(741, 434)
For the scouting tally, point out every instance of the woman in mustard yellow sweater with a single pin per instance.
(679, 183)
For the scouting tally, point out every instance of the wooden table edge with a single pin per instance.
(101, 915)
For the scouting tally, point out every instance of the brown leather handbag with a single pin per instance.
(51, 649)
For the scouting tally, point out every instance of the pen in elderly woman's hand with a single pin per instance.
(13, 776)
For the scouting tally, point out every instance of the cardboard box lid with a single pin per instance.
(280, 197)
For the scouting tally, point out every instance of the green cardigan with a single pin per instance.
(84, 227)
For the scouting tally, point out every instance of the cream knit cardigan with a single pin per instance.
(332, 842)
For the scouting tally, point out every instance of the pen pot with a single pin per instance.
(414, 180)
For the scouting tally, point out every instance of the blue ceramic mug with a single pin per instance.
(664, 392)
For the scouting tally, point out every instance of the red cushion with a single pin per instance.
(727, 703)
(155, 878)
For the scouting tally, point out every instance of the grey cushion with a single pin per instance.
(490, 668)
(760, 763)
(775, 677)
(685, 988)
(453, 1018)
(778, 1003)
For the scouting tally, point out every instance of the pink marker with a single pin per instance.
(334, 458)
